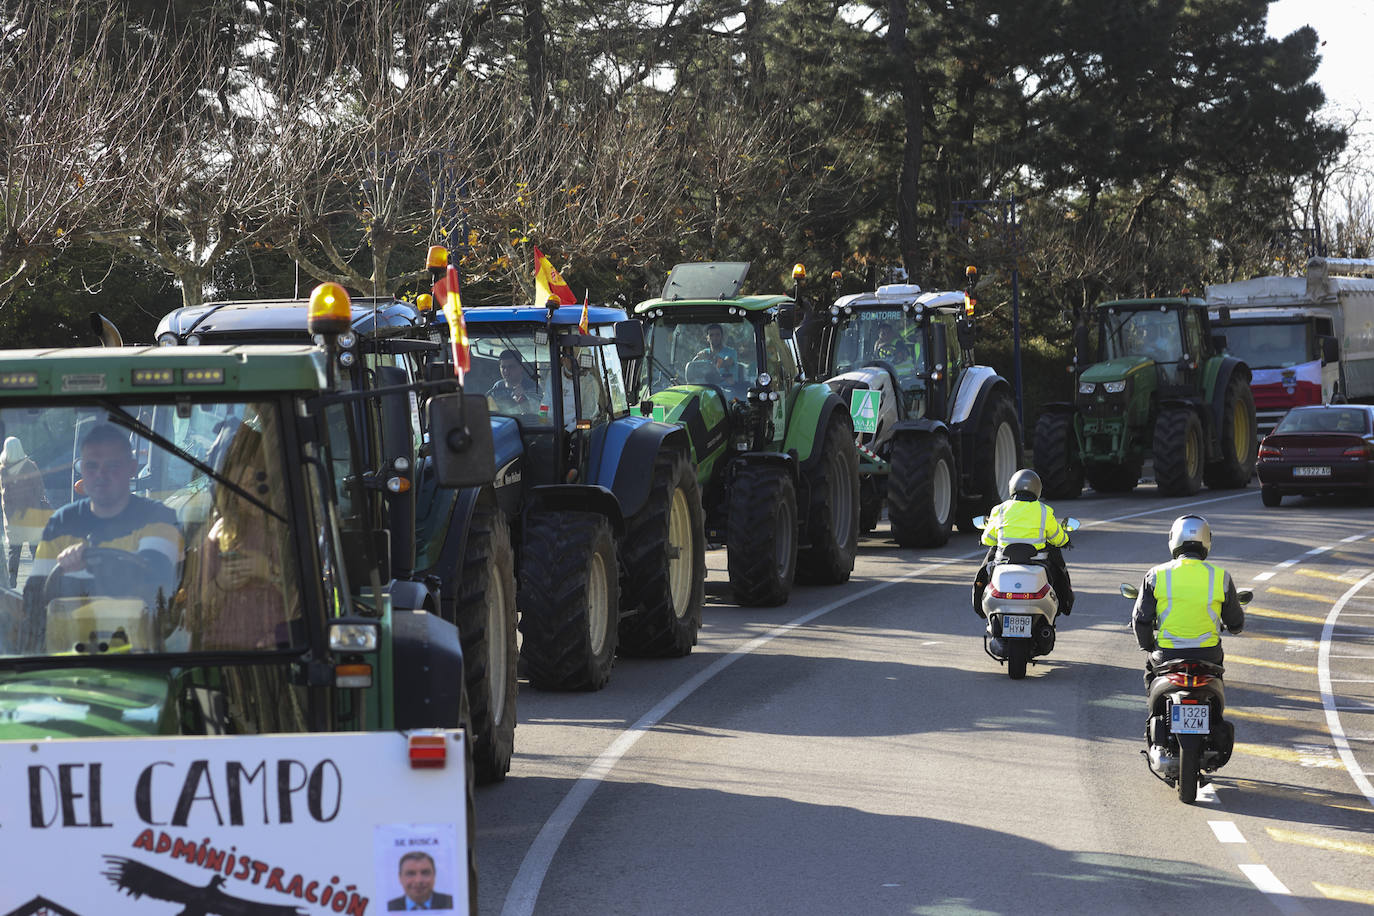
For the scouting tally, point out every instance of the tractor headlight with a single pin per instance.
(1086, 387)
(168, 340)
(764, 380)
(193, 340)
(1114, 387)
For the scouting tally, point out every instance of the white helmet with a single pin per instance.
(1190, 533)
(1025, 482)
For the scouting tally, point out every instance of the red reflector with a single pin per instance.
(1270, 451)
(1022, 596)
(1358, 451)
(428, 751)
(1183, 679)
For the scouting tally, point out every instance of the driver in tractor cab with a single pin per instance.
(722, 358)
(1024, 519)
(110, 517)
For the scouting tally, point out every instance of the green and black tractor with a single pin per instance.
(1161, 388)
(774, 451)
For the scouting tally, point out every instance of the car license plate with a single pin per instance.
(1313, 471)
(1190, 719)
(1016, 625)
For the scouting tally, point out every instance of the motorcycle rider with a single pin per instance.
(1184, 603)
(1024, 519)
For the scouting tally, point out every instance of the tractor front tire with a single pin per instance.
(569, 601)
(832, 518)
(664, 552)
(762, 549)
(1058, 459)
(1178, 452)
(1239, 443)
(922, 490)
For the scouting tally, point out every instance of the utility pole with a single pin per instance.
(1002, 214)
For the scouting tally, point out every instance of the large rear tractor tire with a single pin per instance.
(996, 456)
(762, 550)
(1113, 478)
(1058, 459)
(832, 518)
(1178, 452)
(922, 490)
(870, 503)
(486, 618)
(664, 552)
(1239, 443)
(569, 601)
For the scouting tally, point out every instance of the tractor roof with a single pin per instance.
(81, 372)
(708, 283)
(284, 319)
(1161, 302)
(563, 316)
(900, 295)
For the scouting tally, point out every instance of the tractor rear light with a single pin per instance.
(1022, 596)
(428, 751)
(357, 674)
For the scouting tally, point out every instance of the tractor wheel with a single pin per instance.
(870, 503)
(1058, 460)
(1113, 478)
(569, 601)
(762, 550)
(1239, 444)
(1178, 452)
(922, 490)
(832, 518)
(664, 551)
(996, 456)
(486, 627)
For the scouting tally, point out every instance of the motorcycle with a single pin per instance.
(1020, 604)
(1186, 737)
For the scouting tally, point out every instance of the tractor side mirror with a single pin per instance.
(787, 320)
(460, 431)
(1080, 346)
(964, 330)
(1331, 350)
(629, 339)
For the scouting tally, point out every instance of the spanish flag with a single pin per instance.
(548, 283)
(457, 327)
(583, 325)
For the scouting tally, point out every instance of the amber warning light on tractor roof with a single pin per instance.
(330, 310)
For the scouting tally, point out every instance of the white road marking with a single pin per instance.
(1265, 576)
(1226, 831)
(1264, 879)
(1333, 718)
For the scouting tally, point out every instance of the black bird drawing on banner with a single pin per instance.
(138, 880)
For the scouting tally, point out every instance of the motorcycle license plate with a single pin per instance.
(1016, 625)
(1313, 471)
(1190, 719)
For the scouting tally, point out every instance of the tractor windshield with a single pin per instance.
(701, 350)
(147, 527)
(1151, 333)
(512, 364)
(877, 336)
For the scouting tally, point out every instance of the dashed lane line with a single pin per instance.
(1345, 894)
(1312, 841)
(1226, 831)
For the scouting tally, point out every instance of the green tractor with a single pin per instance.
(773, 450)
(1161, 388)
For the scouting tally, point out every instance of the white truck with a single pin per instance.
(1307, 340)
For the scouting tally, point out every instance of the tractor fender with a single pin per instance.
(975, 386)
(624, 463)
(576, 497)
(1228, 368)
(427, 676)
(776, 459)
(455, 544)
(701, 410)
(506, 442)
(919, 426)
(810, 413)
(409, 595)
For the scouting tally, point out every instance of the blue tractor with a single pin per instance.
(605, 504)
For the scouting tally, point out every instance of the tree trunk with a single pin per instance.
(913, 118)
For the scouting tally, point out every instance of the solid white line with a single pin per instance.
(1333, 718)
(1316, 550)
(1353, 538)
(1226, 831)
(1265, 576)
(1264, 879)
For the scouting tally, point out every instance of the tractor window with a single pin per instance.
(510, 363)
(611, 370)
(1192, 334)
(782, 363)
(878, 335)
(1151, 333)
(700, 351)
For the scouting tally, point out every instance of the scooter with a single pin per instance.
(1020, 604)
(1186, 737)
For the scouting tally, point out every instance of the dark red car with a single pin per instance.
(1326, 448)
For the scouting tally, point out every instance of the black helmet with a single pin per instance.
(1190, 534)
(1025, 483)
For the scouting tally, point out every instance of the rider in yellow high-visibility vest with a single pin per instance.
(1185, 603)
(1024, 519)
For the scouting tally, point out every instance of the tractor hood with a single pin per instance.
(83, 703)
(1115, 369)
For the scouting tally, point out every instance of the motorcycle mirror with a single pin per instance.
(1129, 591)
(1072, 524)
(1243, 595)
(980, 522)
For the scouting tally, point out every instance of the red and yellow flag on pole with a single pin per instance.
(583, 325)
(548, 283)
(446, 291)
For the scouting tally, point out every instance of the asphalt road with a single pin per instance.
(855, 751)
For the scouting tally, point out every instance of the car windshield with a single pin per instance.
(1268, 346)
(1146, 332)
(1325, 420)
(122, 543)
(880, 336)
(697, 350)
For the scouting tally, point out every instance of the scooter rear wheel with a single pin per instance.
(1187, 772)
(1018, 654)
